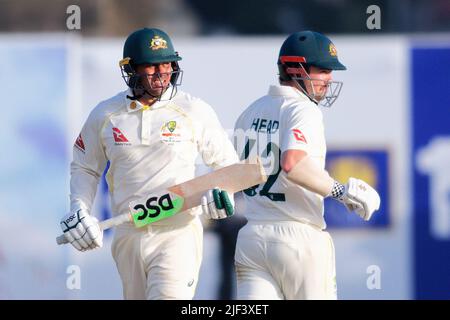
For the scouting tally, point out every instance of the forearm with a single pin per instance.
(311, 177)
(83, 187)
(356, 195)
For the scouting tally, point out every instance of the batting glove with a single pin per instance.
(217, 204)
(82, 230)
(357, 196)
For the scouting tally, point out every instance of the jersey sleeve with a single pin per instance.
(215, 147)
(238, 137)
(88, 163)
(300, 125)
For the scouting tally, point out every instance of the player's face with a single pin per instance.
(318, 86)
(155, 77)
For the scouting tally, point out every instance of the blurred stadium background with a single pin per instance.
(390, 126)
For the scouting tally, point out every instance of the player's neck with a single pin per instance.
(147, 100)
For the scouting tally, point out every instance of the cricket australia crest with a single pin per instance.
(171, 132)
(158, 43)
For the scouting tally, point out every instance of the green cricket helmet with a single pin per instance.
(148, 46)
(304, 49)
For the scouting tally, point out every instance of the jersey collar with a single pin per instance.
(135, 105)
(287, 91)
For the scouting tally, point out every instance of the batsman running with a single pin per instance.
(283, 252)
(151, 135)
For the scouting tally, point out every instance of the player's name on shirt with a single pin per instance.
(265, 125)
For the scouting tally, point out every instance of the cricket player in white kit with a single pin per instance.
(283, 252)
(151, 135)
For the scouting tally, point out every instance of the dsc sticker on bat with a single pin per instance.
(155, 208)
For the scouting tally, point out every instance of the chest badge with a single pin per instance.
(171, 125)
(170, 132)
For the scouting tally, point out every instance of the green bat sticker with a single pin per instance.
(156, 208)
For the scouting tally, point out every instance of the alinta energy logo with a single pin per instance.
(119, 137)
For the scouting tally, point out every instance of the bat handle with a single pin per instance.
(105, 224)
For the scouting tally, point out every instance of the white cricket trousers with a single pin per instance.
(284, 261)
(158, 262)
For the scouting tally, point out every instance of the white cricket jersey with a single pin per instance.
(283, 119)
(150, 148)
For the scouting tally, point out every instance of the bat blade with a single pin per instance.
(233, 178)
(187, 195)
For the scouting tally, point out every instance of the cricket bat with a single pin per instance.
(186, 195)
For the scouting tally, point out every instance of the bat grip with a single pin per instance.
(105, 224)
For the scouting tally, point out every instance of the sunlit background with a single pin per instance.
(390, 127)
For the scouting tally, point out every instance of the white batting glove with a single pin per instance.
(217, 204)
(357, 196)
(82, 230)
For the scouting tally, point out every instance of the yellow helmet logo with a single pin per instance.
(158, 43)
(332, 49)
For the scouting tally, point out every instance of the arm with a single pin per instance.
(290, 158)
(301, 169)
(303, 127)
(217, 151)
(80, 228)
(215, 147)
(356, 195)
(88, 164)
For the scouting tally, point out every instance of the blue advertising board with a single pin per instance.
(368, 165)
(430, 69)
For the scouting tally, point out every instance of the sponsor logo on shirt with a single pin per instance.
(79, 144)
(170, 132)
(299, 136)
(119, 137)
